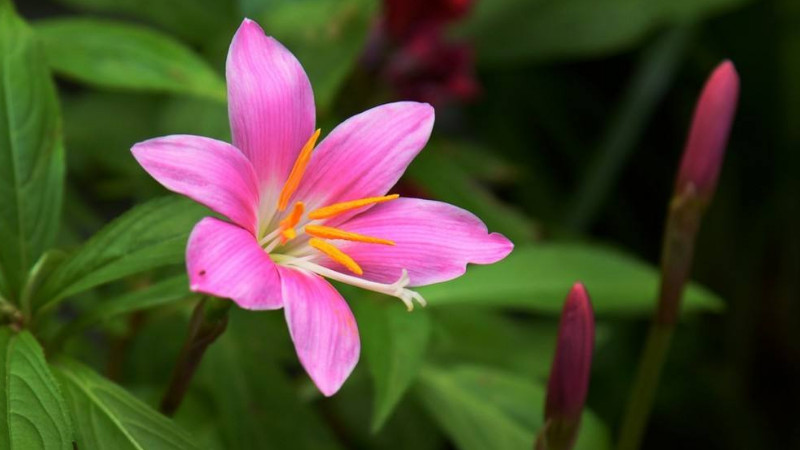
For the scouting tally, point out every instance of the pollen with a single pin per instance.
(297, 172)
(336, 255)
(335, 233)
(338, 208)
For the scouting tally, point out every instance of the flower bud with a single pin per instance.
(569, 375)
(711, 124)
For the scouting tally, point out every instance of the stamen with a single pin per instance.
(287, 225)
(338, 208)
(335, 233)
(298, 170)
(336, 254)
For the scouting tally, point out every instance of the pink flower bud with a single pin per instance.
(569, 375)
(708, 136)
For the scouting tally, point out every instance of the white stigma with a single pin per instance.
(397, 289)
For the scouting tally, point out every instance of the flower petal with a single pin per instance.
(434, 241)
(270, 103)
(322, 327)
(226, 261)
(366, 154)
(208, 171)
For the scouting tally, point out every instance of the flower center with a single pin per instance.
(319, 234)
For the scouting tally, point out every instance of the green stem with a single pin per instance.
(644, 388)
(209, 320)
(676, 259)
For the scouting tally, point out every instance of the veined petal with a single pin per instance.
(270, 103)
(226, 261)
(322, 327)
(434, 241)
(208, 171)
(366, 154)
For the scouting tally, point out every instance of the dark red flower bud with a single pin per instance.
(404, 16)
(569, 375)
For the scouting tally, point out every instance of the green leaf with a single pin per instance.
(148, 236)
(394, 342)
(474, 334)
(327, 36)
(107, 416)
(539, 277)
(118, 55)
(195, 20)
(482, 408)
(514, 31)
(161, 293)
(31, 153)
(33, 414)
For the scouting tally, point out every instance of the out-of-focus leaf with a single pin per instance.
(648, 85)
(148, 236)
(513, 31)
(327, 36)
(161, 293)
(195, 20)
(256, 405)
(118, 55)
(474, 335)
(482, 408)
(537, 277)
(394, 342)
(456, 186)
(195, 116)
(33, 414)
(31, 153)
(107, 416)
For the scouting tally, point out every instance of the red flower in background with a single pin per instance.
(419, 63)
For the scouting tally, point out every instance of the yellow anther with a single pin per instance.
(336, 255)
(298, 170)
(287, 225)
(338, 208)
(335, 233)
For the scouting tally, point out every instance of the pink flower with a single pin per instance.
(298, 216)
(711, 125)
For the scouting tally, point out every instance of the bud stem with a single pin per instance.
(209, 320)
(685, 211)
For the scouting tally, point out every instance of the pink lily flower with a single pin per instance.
(297, 215)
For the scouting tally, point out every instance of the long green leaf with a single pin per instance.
(195, 20)
(33, 414)
(162, 293)
(118, 55)
(107, 416)
(31, 153)
(148, 236)
(482, 408)
(515, 31)
(537, 277)
(394, 343)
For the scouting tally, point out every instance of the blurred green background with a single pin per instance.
(557, 121)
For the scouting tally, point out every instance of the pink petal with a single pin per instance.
(322, 327)
(270, 103)
(434, 241)
(366, 154)
(226, 261)
(208, 171)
